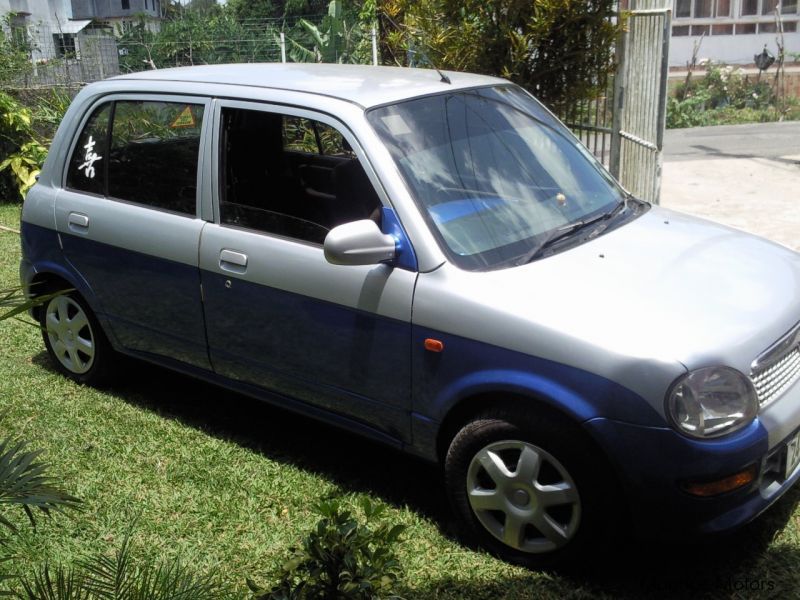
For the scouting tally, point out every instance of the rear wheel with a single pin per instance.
(528, 488)
(75, 341)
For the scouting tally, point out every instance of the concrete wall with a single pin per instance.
(729, 49)
(49, 12)
(112, 9)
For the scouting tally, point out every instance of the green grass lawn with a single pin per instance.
(228, 484)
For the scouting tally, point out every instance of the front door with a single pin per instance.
(278, 314)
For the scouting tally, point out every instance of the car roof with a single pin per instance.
(364, 85)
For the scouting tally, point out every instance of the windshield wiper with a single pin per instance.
(567, 231)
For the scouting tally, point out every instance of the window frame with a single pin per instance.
(65, 45)
(202, 157)
(284, 110)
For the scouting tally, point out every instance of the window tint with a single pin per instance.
(153, 154)
(86, 171)
(290, 176)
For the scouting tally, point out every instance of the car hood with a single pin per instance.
(674, 289)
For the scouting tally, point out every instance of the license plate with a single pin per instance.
(792, 455)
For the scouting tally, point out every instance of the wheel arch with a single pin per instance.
(468, 396)
(471, 405)
(50, 278)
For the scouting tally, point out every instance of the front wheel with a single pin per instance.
(527, 488)
(75, 341)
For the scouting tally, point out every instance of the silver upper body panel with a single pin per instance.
(639, 305)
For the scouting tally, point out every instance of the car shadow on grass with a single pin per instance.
(351, 462)
(745, 563)
(751, 562)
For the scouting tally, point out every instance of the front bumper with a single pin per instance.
(653, 463)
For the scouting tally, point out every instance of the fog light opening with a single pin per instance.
(730, 483)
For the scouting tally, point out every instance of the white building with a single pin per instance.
(48, 25)
(732, 31)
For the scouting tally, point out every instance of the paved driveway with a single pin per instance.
(747, 176)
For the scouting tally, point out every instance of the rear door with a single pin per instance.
(129, 220)
(278, 314)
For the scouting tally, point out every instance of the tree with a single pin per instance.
(557, 49)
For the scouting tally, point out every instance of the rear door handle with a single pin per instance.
(232, 260)
(78, 222)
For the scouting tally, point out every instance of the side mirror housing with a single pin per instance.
(358, 243)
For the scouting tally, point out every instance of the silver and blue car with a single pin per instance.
(436, 264)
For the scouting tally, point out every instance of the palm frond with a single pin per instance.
(110, 576)
(62, 584)
(17, 302)
(24, 481)
(119, 578)
(3, 578)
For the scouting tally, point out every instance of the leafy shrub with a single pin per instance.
(14, 53)
(24, 156)
(725, 95)
(342, 559)
(690, 112)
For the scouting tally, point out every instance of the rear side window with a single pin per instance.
(148, 154)
(153, 154)
(87, 172)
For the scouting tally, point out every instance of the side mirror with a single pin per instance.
(358, 243)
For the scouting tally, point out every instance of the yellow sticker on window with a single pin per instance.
(185, 119)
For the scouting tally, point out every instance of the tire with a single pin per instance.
(75, 341)
(529, 488)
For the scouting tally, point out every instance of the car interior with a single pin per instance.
(290, 176)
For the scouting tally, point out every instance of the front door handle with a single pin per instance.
(233, 261)
(78, 222)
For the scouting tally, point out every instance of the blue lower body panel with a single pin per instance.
(652, 464)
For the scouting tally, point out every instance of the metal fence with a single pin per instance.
(40, 55)
(592, 120)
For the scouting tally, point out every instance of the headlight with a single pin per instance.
(711, 402)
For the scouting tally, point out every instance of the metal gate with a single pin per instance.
(640, 99)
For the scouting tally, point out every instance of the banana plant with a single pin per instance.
(332, 42)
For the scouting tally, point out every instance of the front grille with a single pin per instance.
(772, 381)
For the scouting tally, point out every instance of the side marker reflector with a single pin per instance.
(721, 486)
(432, 345)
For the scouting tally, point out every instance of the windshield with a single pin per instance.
(494, 173)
